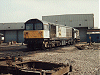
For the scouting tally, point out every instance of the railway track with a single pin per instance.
(24, 51)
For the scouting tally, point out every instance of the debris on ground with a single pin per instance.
(33, 68)
(84, 62)
(80, 47)
(88, 47)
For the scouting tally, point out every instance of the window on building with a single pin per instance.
(79, 24)
(21, 26)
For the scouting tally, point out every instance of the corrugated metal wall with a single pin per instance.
(83, 34)
(2, 31)
(10, 36)
(73, 20)
(20, 36)
(13, 35)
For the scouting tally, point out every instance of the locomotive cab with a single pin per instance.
(35, 32)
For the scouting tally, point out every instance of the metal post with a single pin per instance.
(90, 40)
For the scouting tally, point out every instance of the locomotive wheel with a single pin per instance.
(56, 45)
(43, 47)
(74, 42)
(50, 46)
(47, 45)
(28, 46)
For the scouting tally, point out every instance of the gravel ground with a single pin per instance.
(84, 62)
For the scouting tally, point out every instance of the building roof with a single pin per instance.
(12, 26)
(93, 30)
(70, 14)
(72, 20)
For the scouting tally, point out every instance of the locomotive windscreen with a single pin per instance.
(38, 26)
(34, 24)
(29, 26)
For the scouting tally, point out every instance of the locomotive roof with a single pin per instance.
(36, 20)
(45, 22)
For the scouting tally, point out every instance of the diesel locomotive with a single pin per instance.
(42, 34)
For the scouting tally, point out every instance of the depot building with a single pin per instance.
(12, 31)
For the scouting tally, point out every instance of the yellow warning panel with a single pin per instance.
(33, 34)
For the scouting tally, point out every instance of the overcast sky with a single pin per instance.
(23, 10)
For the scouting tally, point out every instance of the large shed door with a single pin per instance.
(10, 36)
(82, 33)
(20, 36)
